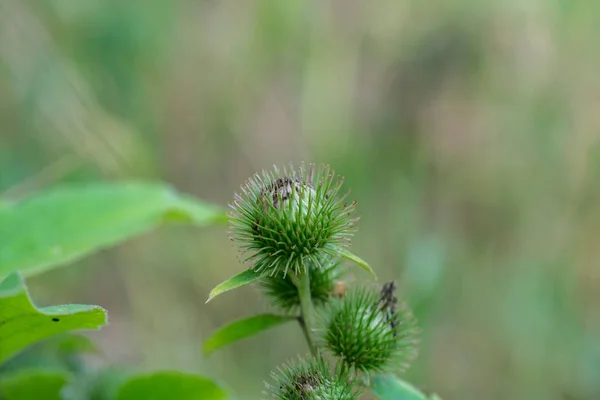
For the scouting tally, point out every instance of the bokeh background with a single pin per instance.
(468, 132)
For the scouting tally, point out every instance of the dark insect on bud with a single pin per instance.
(369, 330)
(312, 379)
(388, 304)
(284, 221)
(280, 191)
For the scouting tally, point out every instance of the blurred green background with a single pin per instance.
(468, 132)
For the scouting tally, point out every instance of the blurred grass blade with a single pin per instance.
(68, 222)
(357, 260)
(22, 324)
(242, 329)
(171, 385)
(241, 279)
(34, 384)
(388, 387)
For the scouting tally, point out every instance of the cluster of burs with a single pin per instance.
(294, 227)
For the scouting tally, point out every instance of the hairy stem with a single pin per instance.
(306, 320)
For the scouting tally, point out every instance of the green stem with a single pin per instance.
(306, 308)
(344, 368)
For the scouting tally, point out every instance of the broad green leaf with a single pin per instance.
(242, 329)
(357, 260)
(22, 324)
(33, 384)
(388, 387)
(241, 279)
(63, 224)
(102, 384)
(75, 344)
(63, 352)
(171, 385)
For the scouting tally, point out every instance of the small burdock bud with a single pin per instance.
(286, 220)
(312, 379)
(369, 331)
(284, 292)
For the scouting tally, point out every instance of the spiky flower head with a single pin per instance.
(370, 332)
(312, 379)
(284, 292)
(286, 220)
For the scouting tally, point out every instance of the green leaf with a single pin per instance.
(75, 344)
(33, 384)
(22, 324)
(357, 260)
(171, 385)
(388, 387)
(4, 204)
(242, 329)
(62, 352)
(101, 384)
(241, 279)
(63, 224)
